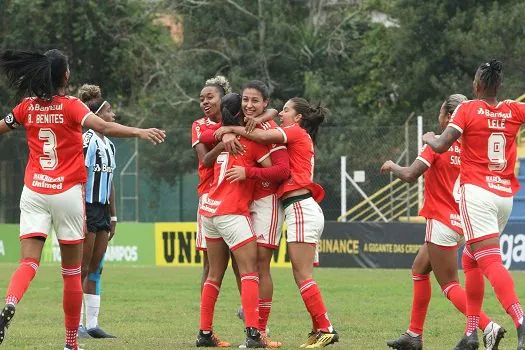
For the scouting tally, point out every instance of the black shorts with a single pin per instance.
(98, 217)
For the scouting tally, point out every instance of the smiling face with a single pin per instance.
(289, 115)
(253, 102)
(210, 101)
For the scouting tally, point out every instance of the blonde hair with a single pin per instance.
(89, 92)
(220, 82)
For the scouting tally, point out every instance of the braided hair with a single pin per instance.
(490, 76)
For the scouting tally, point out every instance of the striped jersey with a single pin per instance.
(100, 162)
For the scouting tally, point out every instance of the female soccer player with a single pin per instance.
(488, 130)
(101, 211)
(266, 211)
(210, 103)
(228, 226)
(443, 235)
(55, 173)
(299, 195)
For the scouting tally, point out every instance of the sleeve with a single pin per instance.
(427, 156)
(459, 119)
(519, 109)
(17, 116)
(207, 137)
(291, 134)
(78, 111)
(261, 152)
(89, 148)
(195, 134)
(279, 171)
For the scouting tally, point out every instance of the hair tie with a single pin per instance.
(487, 64)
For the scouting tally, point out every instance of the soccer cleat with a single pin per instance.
(324, 339)
(521, 337)
(406, 342)
(83, 333)
(6, 315)
(312, 337)
(468, 342)
(210, 340)
(72, 347)
(254, 340)
(492, 335)
(98, 333)
(269, 344)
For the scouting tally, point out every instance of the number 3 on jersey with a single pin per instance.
(496, 151)
(49, 160)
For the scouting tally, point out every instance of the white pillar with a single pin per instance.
(343, 187)
(419, 147)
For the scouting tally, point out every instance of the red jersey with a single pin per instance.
(301, 151)
(54, 138)
(266, 188)
(442, 186)
(205, 174)
(233, 198)
(488, 144)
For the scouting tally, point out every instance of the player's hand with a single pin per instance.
(386, 167)
(429, 136)
(236, 174)
(232, 144)
(153, 135)
(251, 123)
(112, 229)
(219, 133)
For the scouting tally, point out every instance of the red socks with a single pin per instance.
(209, 295)
(250, 299)
(489, 261)
(265, 306)
(21, 280)
(314, 304)
(420, 300)
(72, 302)
(458, 297)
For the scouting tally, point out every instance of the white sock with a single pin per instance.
(412, 334)
(81, 323)
(92, 309)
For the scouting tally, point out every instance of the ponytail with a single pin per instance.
(312, 117)
(491, 75)
(230, 109)
(34, 74)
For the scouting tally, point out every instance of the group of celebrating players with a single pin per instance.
(255, 175)
(469, 189)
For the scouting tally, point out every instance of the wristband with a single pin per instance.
(114, 219)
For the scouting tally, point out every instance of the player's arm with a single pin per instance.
(406, 174)
(4, 128)
(210, 157)
(112, 212)
(275, 168)
(252, 122)
(260, 136)
(92, 121)
(444, 141)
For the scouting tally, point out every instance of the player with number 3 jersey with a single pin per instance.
(53, 194)
(488, 130)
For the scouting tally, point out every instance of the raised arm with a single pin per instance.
(251, 123)
(277, 170)
(92, 121)
(4, 128)
(444, 141)
(406, 174)
(261, 136)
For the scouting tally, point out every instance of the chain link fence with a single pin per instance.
(143, 193)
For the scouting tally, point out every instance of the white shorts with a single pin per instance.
(235, 230)
(305, 221)
(267, 216)
(200, 241)
(65, 212)
(483, 214)
(440, 234)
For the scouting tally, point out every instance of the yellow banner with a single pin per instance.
(175, 246)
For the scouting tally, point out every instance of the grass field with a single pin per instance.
(158, 308)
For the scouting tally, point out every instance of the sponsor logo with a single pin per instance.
(491, 114)
(86, 139)
(10, 119)
(512, 249)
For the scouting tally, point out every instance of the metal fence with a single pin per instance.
(143, 194)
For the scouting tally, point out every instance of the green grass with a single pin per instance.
(158, 308)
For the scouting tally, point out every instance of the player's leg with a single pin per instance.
(91, 297)
(35, 224)
(87, 254)
(200, 244)
(305, 221)
(443, 256)
(421, 294)
(484, 215)
(218, 257)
